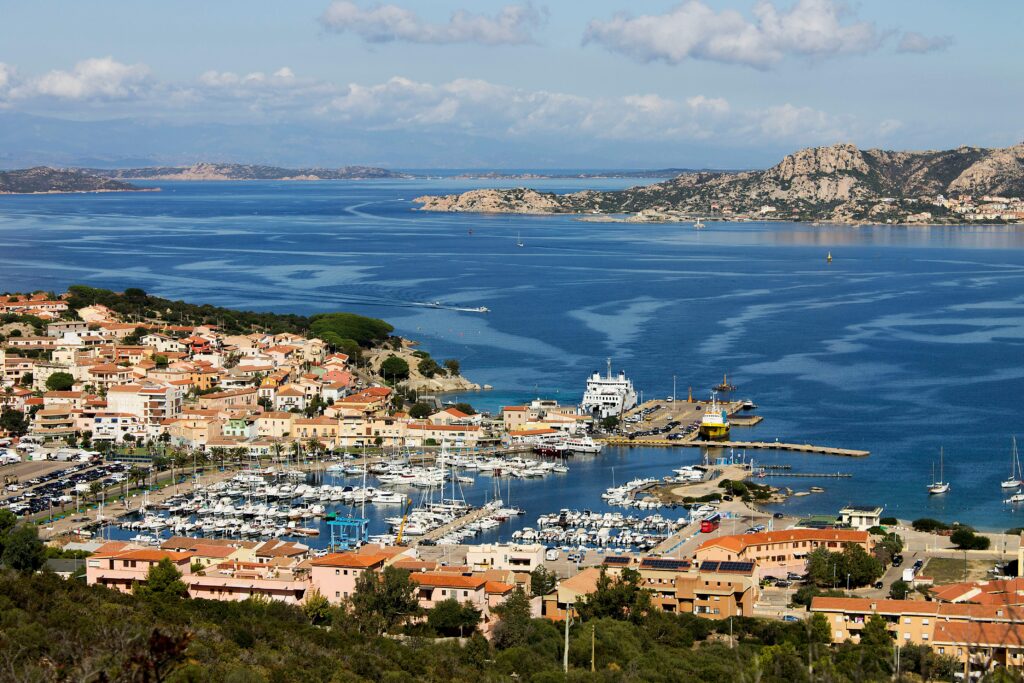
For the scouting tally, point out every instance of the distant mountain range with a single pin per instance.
(838, 183)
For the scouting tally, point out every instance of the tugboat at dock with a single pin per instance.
(714, 425)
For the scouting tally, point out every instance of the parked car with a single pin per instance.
(879, 585)
(790, 617)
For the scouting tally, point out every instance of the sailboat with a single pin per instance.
(1014, 481)
(698, 225)
(938, 486)
(519, 240)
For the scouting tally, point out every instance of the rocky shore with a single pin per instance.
(836, 184)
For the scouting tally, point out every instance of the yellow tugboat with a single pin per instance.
(714, 425)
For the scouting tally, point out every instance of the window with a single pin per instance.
(924, 621)
(906, 620)
(337, 594)
(337, 572)
(942, 650)
(924, 636)
(906, 636)
(839, 635)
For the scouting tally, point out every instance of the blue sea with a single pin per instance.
(911, 340)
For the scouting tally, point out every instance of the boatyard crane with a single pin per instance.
(405, 516)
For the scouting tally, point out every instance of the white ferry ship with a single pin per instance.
(608, 396)
(579, 444)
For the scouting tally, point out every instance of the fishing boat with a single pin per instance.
(1014, 481)
(938, 486)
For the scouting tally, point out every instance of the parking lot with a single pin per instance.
(666, 419)
(50, 485)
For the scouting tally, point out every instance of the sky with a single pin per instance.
(482, 83)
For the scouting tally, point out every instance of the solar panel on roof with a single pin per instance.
(661, 563)
(710, 566)
(735, 566)
(616, 560)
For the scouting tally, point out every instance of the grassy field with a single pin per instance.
(949, 570)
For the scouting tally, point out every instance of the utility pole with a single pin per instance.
(593, 628)
(565, 653)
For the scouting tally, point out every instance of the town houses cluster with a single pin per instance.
(197, 388)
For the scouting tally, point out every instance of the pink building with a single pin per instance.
(335, 575)
(121, 568)
(242, 580)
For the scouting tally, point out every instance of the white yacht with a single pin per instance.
(608, 396)
(938, 486)
(1014, 481)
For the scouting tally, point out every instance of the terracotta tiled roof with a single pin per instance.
(349, 560)
(739, 542)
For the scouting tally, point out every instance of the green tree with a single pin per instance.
(450, 618)
(620, 598)
(609, 423)
(13, 422)
(163, 581)
(822, 567)
(876, 646)
(420, 410)
(317, 608)
(542, 581)
(899, 589)
(394, 368)
(60, 381)
(966, 539)
(514, 625)
(23, 551)
(861, 568)
(453, 367)
(428, 367)
(384, 600)
(161, 360)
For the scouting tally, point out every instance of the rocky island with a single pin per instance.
(839, 183)
(214, 171)
(46, 180)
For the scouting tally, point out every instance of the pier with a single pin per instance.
(455, 524)
(741, 445)
(816, 475)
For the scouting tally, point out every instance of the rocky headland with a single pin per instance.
(839, 183)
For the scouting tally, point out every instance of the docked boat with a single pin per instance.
(714, 425)
(578, 444)
(1014, 481)
(608, 396)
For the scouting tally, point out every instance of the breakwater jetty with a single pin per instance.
(741, 445)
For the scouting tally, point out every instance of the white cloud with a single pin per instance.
(918, 43)
(97, 78)
(693, 30)
(481, 107)
(513, 24)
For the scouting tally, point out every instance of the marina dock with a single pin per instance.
(454, 525)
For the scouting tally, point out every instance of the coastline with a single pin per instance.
(139, 189)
